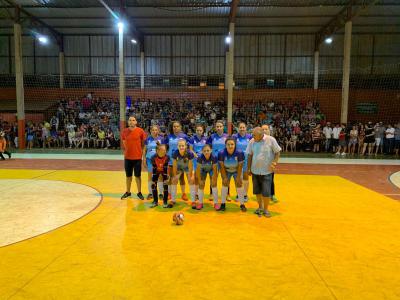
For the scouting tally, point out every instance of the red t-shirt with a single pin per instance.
(133, 140)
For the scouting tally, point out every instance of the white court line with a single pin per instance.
(288, 160)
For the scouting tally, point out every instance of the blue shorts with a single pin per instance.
(230, 175)
(244, 168)
(203, 174)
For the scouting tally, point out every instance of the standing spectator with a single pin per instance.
(397, 139)
(379, 131)
(264, 152)
(389, 139)
(327, 131)
(353, 140)
(361, 138)
(335, 137)
(342, 141)
(369, 138)
(316, 137)
(133, 139)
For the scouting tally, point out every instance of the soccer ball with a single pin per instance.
(178, 218)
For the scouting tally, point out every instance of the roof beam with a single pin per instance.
(348, 13)
(35, 20)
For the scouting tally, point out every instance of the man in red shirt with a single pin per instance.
(133, 139)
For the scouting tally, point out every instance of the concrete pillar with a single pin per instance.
(19, 85)
(230, 72)
(142, 70)
(122, 98)
(61, 62)
(346, 72)
(316, 69)
(226, 69)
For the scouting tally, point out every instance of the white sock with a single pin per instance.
(192, 192)
(149, 183)
(201, 196)
(173, 193)
(160, 187)
(196, 189)
(215, 194)
(169, 189)
(224, 193)
(240, 192)
(245, 186)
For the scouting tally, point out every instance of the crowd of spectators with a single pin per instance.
(93, 122)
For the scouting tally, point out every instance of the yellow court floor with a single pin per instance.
(329, 238)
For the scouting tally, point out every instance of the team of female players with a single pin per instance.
(169, 159)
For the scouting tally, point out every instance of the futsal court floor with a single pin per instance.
(65, 234)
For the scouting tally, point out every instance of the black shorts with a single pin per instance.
(133, 166)
(335, 142)
(262, 184)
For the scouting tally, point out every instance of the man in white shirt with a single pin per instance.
(327, 131)
(389, 141)
(264, 153)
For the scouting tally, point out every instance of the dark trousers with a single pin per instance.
(273, 185)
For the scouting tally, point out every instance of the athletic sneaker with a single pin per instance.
(194, 205)
(153, 204)
(185, 197)
(165, 205)
(149, 196)
(140, 196)
(243, 208)
(216, 206)
(126, 195)
(171, 204)
(222, 207)
(274, 199)
(343, 153)
(266, 214)
(337, 153)
(258, 211)
(199, 206)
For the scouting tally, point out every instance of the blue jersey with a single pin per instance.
(231, 162)
(242, 141)
(183, 161)
(198, 144)
(151, 145)
(217, 142)
(172, 141)
(206, 165)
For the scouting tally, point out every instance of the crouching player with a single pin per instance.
(207, 164)
(159, 162)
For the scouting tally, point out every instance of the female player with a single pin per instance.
(207, 164)
(198, 141)
(150, 146)
(217, 140)
(242, 140)
(231, 165)
(159, 162)
(172, 141)
(182, 164)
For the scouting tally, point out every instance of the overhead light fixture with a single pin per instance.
(228, 39)
(328, 40)
(43, 39)
(120, 25)
(133, 41)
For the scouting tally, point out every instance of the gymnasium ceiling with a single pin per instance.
(201, 16)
